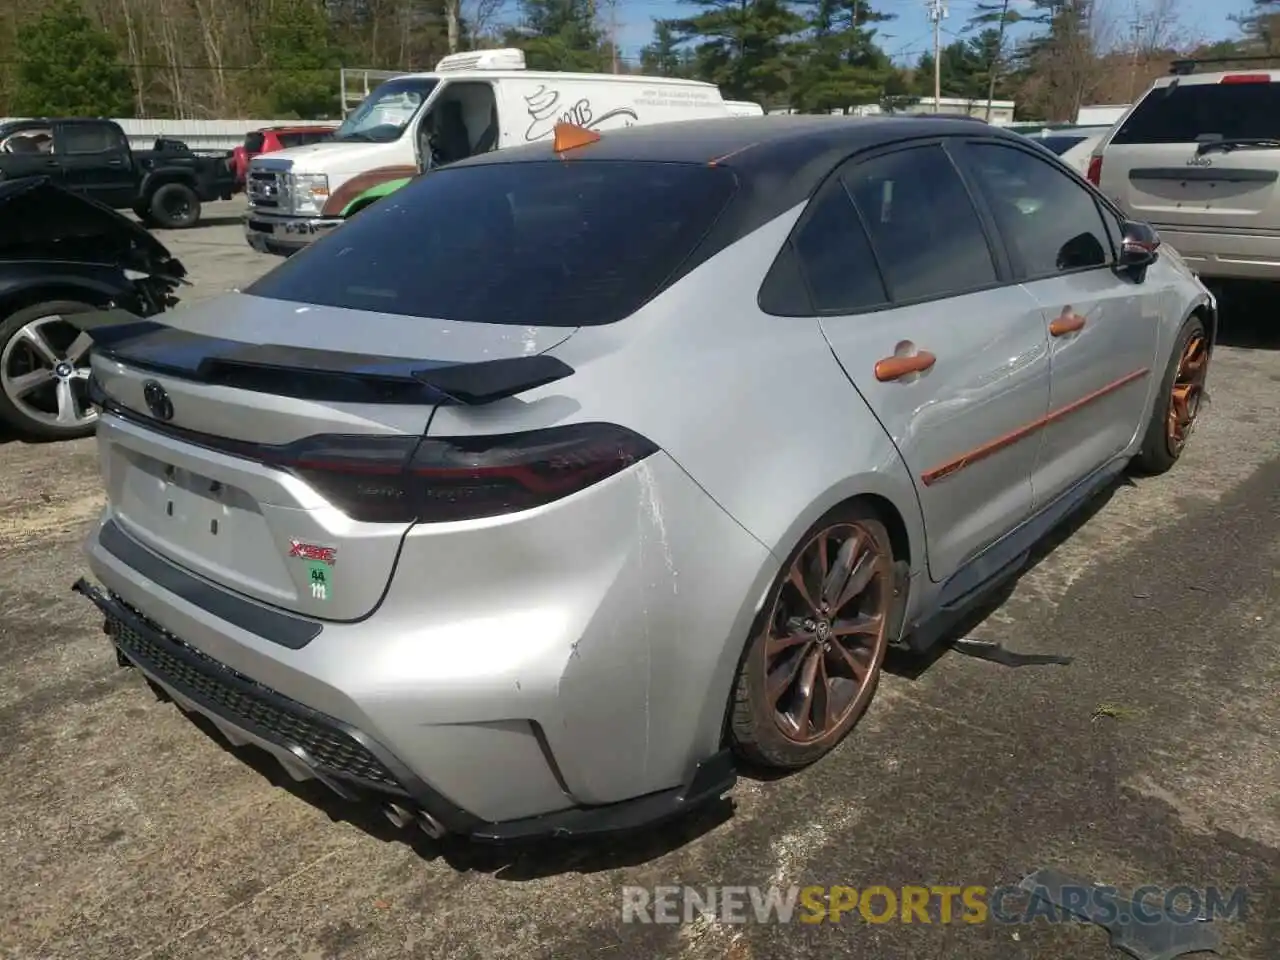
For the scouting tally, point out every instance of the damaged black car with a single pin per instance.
(63, 254)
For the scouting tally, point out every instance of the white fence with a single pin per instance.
(197, 134)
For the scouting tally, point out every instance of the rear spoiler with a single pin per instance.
(309, 374)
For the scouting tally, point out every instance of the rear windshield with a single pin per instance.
(253, 142)
(1182, 113)
(554, 243)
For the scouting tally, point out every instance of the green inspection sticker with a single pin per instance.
(321, 584)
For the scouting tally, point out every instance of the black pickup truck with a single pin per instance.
(164, 186)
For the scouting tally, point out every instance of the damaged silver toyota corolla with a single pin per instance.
(63, 254)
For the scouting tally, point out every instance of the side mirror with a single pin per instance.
(1139, 245)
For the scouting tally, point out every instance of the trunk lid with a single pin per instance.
(1173, 185)
(201, 401)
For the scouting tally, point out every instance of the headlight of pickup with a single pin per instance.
(310, 192)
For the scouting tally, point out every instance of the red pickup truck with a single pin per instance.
(271, 139)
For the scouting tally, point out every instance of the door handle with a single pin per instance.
(895, 368)
(1068, 322)
(115, 163)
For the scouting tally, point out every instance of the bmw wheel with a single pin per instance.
(44, 372)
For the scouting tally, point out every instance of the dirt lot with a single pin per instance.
(128, 832)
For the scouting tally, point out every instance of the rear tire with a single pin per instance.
(29, 403)
(1181, 394)
(813, 662)
(175, 206)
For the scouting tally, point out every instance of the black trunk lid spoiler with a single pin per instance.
(308, 374)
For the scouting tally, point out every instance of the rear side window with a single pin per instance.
(1181, 113)
(253, 142)
(551, 243)
(923, 224)
(835, 256)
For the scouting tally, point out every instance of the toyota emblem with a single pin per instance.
(158, 402)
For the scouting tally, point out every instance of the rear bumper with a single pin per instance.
(312, 745)
(1226, 255)
(281, 236)
(575, 664)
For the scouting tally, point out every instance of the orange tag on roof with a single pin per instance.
(570, 136)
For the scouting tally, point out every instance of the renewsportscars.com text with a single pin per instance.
(935, 903)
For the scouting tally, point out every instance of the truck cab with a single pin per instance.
(471, 103)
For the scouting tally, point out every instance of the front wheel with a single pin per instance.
(1177, 405)
(44, 372)
(812, 666)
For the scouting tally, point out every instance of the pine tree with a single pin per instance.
(742, 46)
(560, 35)
(995, 15)
(840, 64)
(665, 57)
(69, 67)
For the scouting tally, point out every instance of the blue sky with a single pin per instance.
(911, 34)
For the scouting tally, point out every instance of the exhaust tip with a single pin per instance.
(398, 815)
(432, 827)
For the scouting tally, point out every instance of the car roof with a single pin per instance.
(781, 158)
(1197, 79)
(44, 121)
(779, 161)
(788, 142)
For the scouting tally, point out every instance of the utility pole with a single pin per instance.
(613, 32)
(937, 10)
(1138, 28)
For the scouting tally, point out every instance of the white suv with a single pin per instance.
(1198, 157)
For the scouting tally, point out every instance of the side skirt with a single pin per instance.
(1001, 561)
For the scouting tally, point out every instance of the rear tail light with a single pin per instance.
(411, 479)
(1094, 175)
(1246, 78)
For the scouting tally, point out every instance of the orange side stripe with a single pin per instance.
(952, 467)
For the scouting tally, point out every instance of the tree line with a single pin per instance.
(281, 58)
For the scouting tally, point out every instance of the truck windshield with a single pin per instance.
(387, 111)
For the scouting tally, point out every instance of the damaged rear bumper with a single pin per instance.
(312, 745)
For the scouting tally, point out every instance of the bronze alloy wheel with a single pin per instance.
(1188, 390)
(827, 633)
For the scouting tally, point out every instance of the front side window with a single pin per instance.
(543, 243)
(1050, 223)
(387, 111)
(923, 225)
